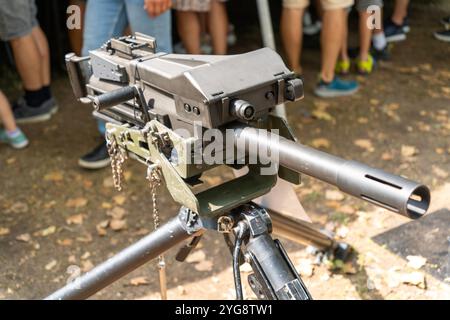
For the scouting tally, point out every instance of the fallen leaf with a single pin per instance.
(374, 102)
(440, 173)
(75, 219)
(46, 232)
(101, 228)
(64, 242)
(139, 281)
(365, 144)
(117, 225)
(322, 115)
(321, 143)
(106, 205)
(10, 160)
(108, 182)
(387, 156)
(334, 195)
(49, 266)
(76, 202)
(363, 120)
(26, 237)
(205, 265)
(119, 199)
(87, 237)
(18, 207)
(86, 265)
(86, 255)
(416, 262)
(408, 151)
(4, 231)
(116, 213)
(55, 176)
(87, 184)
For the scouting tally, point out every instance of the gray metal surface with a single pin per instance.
(389, 191)
(146, 249)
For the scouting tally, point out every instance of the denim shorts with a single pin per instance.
(17, 18)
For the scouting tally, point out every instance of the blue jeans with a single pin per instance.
(106, 19)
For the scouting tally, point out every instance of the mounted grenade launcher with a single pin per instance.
(161, 108)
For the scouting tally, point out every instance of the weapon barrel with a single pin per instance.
(378, 187)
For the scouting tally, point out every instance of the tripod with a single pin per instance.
(273, 277)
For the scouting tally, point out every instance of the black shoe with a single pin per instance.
(23, 113)
(382, 54)
(96, 159)
(443, 35)
(446, 22)
(394, 32)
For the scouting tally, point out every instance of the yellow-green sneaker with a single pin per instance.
(365, 66)
(342, 67)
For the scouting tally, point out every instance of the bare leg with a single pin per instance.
(28, 61)
(218, 26)
(332, 33)
(365, 36)
(344, 48)
(6, 114)
(42, 46)
(292, 35)
(400, 11)
(189, 31)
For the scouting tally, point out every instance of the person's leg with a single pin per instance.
(218, 26)
(291, 29)
(159, 27)
(12, 134)
(333, 29)
(188, 26)
(400, 11)
(28, 62)
(18, 21)
(343, 63)
(104, 20)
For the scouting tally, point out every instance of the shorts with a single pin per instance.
(17, 18)
(193, 5)
(362, 5)
(326, 4)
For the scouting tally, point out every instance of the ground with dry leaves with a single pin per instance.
(56, 219)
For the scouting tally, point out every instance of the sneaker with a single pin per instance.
(378, 55)
(405, 26)
(366, 66)
(342, 67)
(446, 22)
(18, 141)
(394, 32)
(23, 113)
(443, 35)
(96, 159)
(336, 88)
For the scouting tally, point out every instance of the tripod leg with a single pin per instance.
(168, 235)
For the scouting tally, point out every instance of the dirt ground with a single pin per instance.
(53, 214)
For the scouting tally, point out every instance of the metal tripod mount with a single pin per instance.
(273, 277)
(147, 97)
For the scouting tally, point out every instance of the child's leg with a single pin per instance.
(189, 30)
(6, 114)
(400, 11)
(365, 35)
(292, 31)
(218, 26)
(343, 55)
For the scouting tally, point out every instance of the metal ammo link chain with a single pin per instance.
(117, 160)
